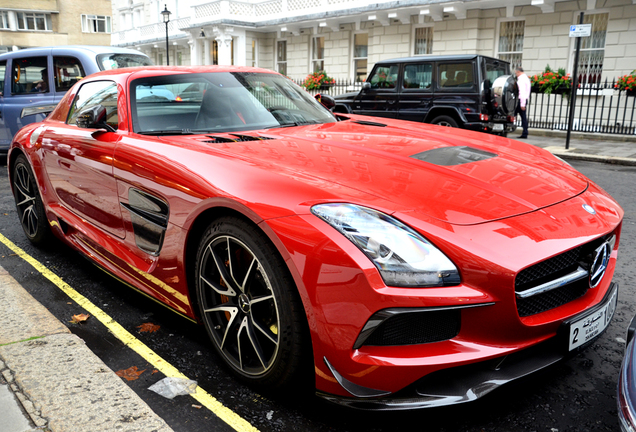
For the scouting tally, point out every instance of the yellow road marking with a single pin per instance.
(204, 398)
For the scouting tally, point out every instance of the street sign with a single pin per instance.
(580, 30)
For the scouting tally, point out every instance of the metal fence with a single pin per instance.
(600, 107)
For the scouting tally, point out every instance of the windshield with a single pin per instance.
(221, 102)
(117, 61)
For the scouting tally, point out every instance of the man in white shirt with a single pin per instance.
(523, 82)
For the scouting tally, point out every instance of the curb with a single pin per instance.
(61, 384)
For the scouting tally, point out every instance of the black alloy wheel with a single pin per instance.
(249, 304)
(444, 121)
(29, 203)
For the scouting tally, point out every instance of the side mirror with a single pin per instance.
(326, 101)
(366, 86)
(94, 118)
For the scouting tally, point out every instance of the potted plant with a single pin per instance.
(552, 82)
(318, 81)
(627, 83)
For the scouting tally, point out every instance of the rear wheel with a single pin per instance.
(444, 121)
(249, 304)
(29, 203)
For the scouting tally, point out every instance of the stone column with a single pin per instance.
(206, 53)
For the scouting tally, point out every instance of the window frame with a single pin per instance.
(500, 21)
(90, 22)
(48, 26)
(430, 26)
(354, 59)
(572, 48)
(278, 62)
(314, 61)
(4, 20)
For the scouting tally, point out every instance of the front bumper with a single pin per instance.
(470, 382)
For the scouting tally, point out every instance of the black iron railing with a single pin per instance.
(600, 107)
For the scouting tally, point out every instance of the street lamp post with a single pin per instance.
(166, 19)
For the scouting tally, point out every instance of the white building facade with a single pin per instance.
(346, 37)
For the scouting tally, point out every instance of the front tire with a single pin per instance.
(249, 304)
(29, 203)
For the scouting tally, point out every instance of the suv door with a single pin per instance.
(5, 137)
(417, 91)
(380, 97)
(456, 88)
(29, 86)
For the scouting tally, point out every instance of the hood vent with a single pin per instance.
(369, 123)
(236, 138)
(449, 156)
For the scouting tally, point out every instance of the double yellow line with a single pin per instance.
(204, 398)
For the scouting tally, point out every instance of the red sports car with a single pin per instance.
(411, 265)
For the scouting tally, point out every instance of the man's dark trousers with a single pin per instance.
(524, 120)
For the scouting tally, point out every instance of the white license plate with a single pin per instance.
(588, 328)
(497, 127)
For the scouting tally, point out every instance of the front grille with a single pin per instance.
(552, 299)
(416, 328)
(552, 269)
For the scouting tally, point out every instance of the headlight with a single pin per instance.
(403, 257)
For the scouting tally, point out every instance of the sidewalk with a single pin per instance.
(613, 149)
(50, 380)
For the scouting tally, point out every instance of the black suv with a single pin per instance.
(469, 91)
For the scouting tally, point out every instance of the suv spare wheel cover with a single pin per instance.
(505, 93)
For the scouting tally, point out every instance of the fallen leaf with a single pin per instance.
(197, 406)
(148, 327)
(79, 318)
(130, 374)
(154, 371)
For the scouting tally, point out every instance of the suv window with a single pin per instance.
(29, 75)
(384, 77)
(96, 93)
(496, 69)
(418, 76)
(68, 70)
(455, 75)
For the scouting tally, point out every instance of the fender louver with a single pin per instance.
(235, 138)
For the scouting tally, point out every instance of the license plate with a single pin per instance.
(497, 127)
(586, 329)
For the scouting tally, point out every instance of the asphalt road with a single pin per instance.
(575, 395)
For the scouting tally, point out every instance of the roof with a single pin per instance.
(419, 59)
(88, 49)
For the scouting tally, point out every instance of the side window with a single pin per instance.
(29, 75)
(384, 77)
(3, 71)
(68, 70)
(418, 76)
(455, 75)
(92, 94)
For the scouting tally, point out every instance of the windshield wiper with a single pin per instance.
(168, 132)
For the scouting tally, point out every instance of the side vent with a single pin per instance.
(237, 138)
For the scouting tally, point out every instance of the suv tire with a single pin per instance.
(444, 121)
(504, 95)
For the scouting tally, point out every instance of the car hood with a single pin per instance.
(455, 176)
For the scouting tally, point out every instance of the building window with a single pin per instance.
(592, 52)
(318, 54)
(95, 24)
(423, 41)
(281, 57)
(4, 20)
(360, 53)
(34, 21)
(510, 46)
(254, 60)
